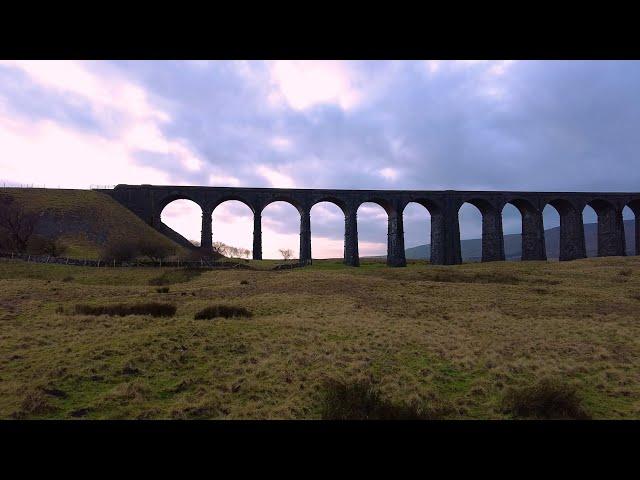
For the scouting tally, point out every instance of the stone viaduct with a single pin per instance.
(148, 201)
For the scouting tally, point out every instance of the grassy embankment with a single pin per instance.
(84, 219)
(459, 339)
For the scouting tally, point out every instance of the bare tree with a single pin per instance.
(19, 223)
(221, 248)
(286, 253)
(246, 252)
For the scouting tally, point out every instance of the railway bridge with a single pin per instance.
(148, 201)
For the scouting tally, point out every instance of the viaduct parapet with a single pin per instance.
(148, 201)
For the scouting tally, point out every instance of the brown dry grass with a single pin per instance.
(459, 336)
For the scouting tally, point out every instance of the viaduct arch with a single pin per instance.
(147, 201)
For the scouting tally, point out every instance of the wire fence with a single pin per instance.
(38, 185)
(202, 263)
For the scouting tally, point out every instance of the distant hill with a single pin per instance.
(472, 249)
(85, 220)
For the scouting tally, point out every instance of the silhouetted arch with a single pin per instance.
(470, 221)
(285, 230)
(334, 221)
(384, 203)
(235, 198)
(415, 209)
(172, 197)
(512, 224)
(236, 229)
(286, 199)
(590, 225)
(336, 201)
(631, 212)
(181, 216)
(374, 224)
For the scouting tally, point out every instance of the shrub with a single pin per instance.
(546, 399)
(361, 400)
(55, 247)
(39, 245)
(225, 311)
(36, 245)
(162, 290)
(68, 278)
(244, 282)
(120, 251)
(625, 272)
(155, 250)
(120, 309)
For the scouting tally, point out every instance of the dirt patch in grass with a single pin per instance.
(549, 399)
(225, 311)
(361, 400)
(121, 309)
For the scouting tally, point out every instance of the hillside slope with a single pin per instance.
(83, 219)
(472, 249)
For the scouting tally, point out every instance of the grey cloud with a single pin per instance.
(556, 126)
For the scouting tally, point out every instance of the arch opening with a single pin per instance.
(470, 221)
(232, 229)
(551, 222)
(184, 217)
(629, 220)
(372, 231)
(512, 220)
(280, 230)
(417, 231)
(327, 230)
(590, 225)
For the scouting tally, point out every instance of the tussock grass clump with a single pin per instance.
(452, 276)
(626, 272)
(361, 400)
(121, 310)
(34, 402)
(244, 282)
(180, 275)
(129, 392)
(225, 311)
(162, 290)
(68, 278)
(548, 399)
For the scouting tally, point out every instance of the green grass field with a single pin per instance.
(458, 336)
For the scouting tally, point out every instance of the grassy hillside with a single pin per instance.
(83, 219)
(462, 338)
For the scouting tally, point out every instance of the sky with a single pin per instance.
(421, 125)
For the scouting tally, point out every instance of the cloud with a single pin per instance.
(524, 125)
(303, 84)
